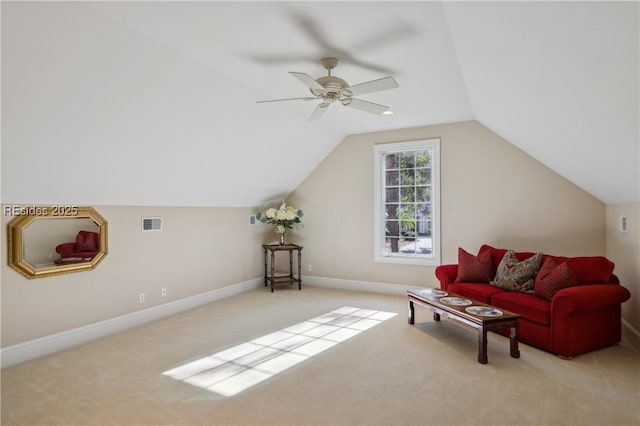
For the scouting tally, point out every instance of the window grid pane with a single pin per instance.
(407, 200)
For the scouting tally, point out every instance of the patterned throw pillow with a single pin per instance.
(552, 278)
(515, 275)
(472, 269)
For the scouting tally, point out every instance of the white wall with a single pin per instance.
(492, 193)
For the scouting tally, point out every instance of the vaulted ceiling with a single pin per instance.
(154, 103)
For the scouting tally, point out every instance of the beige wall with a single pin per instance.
(491, 193)
(623, 248)
(200, 249)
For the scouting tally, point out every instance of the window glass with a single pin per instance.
(406, 198)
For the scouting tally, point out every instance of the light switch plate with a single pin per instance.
(622, 223)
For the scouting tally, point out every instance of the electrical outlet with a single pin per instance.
(141, 298)
(163, 292)
(309, 267)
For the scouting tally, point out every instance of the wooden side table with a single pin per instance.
(269, 272)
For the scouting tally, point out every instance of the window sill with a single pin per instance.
(407, 260)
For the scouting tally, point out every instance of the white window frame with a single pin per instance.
(379, 151)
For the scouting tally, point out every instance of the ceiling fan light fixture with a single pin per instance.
(388, 112)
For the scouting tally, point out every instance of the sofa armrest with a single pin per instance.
(446, 274)
(585, 298)
(586, 317)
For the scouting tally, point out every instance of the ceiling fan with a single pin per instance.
(330, 89)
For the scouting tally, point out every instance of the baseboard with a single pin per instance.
(632, 335)
(368, 286)
(631, 328)
(36, 348)
(32, 349)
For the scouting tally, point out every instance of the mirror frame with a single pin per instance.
(16, 242)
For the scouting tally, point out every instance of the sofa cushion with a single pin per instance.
(528, 306)
(552, 278)
(515, 275)
(474, 269)
(477, 291)
(591, 269)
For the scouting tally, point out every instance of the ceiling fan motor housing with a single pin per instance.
(336, 88)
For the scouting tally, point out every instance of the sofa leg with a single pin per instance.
(566, 358)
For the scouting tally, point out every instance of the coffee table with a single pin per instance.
(486, 318)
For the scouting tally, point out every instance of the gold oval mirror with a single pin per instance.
(56, 240)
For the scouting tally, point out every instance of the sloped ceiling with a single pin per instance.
(154, 103)
(560, 81)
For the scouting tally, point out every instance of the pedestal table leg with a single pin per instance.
(290, 267)
(299, 269)
(273, 271)
(265, 267)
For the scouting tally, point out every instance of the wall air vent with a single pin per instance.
(151, 224)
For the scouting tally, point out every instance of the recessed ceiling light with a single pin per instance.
(387, 112)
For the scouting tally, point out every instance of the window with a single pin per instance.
(406, 202)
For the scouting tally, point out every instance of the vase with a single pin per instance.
(283, 240)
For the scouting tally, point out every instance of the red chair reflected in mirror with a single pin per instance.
(86, 245)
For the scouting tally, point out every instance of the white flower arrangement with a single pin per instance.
(282, 218)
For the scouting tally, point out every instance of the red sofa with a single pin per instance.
(85, 247)
(577, 319)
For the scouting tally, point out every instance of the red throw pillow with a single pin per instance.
(85, 242)
(474, 269)
(552, 278)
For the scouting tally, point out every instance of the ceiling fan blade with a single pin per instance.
(378, 85)
(308, 81)
(308, 98)
(312, 26)
(319, 111)
(366, 106)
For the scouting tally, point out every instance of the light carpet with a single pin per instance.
(391, 374)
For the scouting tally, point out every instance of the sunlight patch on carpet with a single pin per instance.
(238, 368)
